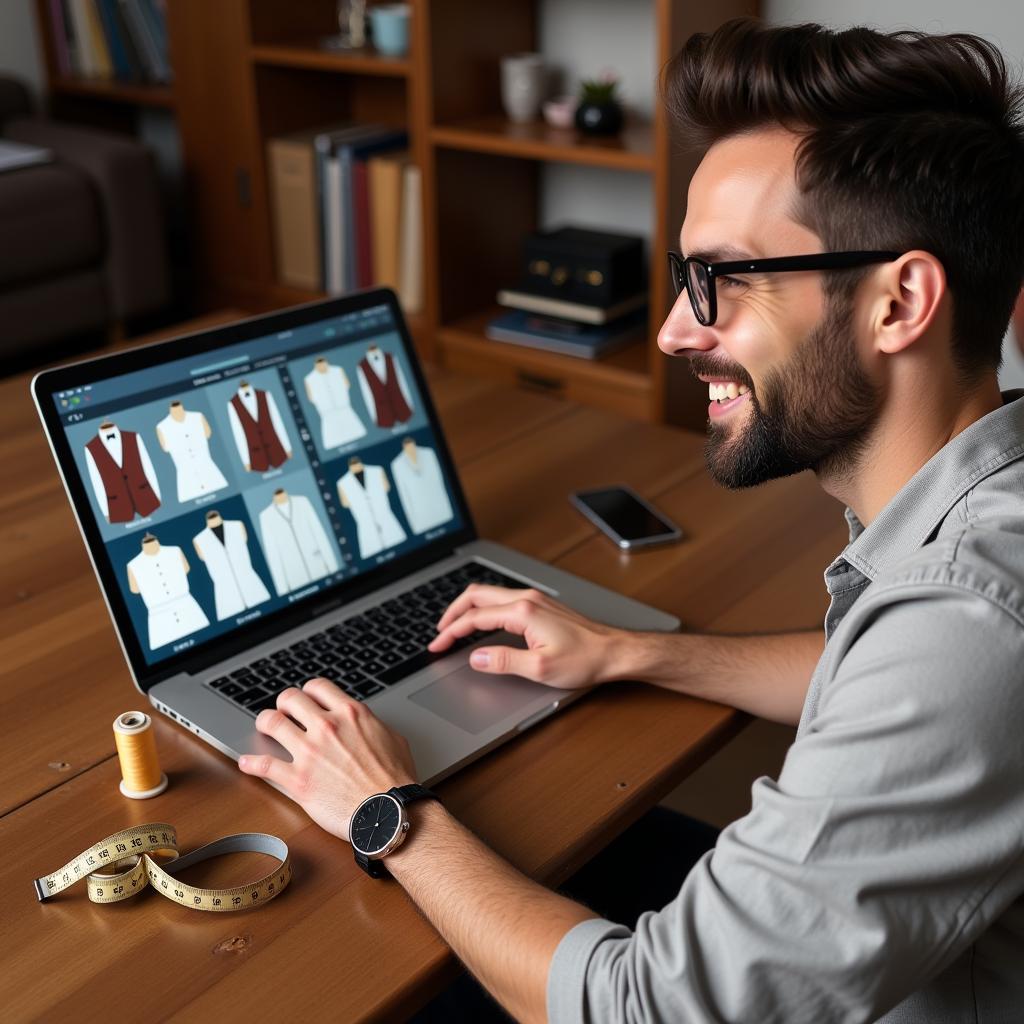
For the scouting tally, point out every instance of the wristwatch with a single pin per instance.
(379, 826)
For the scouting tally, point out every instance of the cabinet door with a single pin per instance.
(218, 123)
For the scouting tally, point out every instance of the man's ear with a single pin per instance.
(911, 290)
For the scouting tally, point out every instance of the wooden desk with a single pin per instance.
(337, 942)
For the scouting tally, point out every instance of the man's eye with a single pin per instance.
(731, 282)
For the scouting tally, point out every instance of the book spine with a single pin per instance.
(541, 344)
(101, 52)
(296, 218)
(59, 32)
(335, 229)
(321, 150)
(410, 273)
(155, 20)
(74, 58)
(137, 72)
(361, 222)
(143, 44)
(347, 276)
(83, 46)
(108, 16)
(383, 219)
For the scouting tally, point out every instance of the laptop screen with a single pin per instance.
(243, 480)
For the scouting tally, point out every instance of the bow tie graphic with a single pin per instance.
(110, 437)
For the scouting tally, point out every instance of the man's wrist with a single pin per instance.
(630, 656)
(427, 821)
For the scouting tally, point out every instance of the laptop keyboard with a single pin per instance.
(367, 652)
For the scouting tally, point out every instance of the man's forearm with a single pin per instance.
(767, 676)
(502, 925)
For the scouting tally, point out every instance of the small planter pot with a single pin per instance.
(599, 118)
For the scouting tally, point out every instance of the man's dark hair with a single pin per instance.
(909, 141)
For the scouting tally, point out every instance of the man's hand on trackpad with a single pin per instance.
(563, 648)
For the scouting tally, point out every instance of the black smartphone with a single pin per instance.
(625, 517)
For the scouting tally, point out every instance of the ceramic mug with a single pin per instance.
(523, 80)
(390, 25)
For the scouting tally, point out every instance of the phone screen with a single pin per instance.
(626, 516)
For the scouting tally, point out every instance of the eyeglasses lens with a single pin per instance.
(699, 287)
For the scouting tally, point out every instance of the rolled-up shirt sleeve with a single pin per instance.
(893, 837)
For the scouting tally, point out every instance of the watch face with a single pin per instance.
(375, 824)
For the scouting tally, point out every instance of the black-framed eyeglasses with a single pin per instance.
(697, 276)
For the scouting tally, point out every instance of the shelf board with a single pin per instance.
(631, 150)
(115, 91)
(307, 54)
(627, 369)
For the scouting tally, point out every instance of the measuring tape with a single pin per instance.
(133, 847)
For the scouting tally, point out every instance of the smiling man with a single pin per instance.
(854, 243)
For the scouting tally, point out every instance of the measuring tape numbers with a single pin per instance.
(121, 866)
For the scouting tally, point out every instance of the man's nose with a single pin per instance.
(682, 332)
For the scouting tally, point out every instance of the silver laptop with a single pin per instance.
(274, 500)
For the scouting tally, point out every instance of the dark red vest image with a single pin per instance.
(265, 449)
(128, 490)
(391, 404)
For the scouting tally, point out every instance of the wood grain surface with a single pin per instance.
(338, 944)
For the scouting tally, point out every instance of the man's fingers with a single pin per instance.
(512, 617)
(274, 722)
(327, 694)
(300, 705)
(474, 596)
(507, 660)
(265, 766)
(483, 595)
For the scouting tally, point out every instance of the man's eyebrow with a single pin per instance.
(721, 254)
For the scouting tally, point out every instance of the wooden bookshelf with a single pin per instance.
(249, 70)
(621, 382)
(115, 92)
(307, 54)
(631, 150)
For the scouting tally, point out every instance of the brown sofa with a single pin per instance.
(82, 244)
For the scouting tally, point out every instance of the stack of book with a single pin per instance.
(124, 40)
(570, 328)
(347, 211)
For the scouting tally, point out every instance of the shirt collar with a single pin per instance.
(916, 511)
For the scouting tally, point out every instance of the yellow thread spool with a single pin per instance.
(141, 777)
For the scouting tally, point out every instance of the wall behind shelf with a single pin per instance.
(580, 38)
(20, 53)
(583, 37)
(598, 198)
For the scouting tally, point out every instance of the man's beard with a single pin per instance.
(815, 413)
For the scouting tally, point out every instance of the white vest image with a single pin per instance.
(163, 586)
(339, 423)
(188, 447)
(421, 490)
(295, 544)
(236, 584)
(376, 525)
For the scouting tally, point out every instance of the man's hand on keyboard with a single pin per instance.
(564, 648)
(341, 753)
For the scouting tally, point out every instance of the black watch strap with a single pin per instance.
(406, 795)
(374, 868)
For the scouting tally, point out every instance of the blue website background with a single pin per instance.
(276, 364)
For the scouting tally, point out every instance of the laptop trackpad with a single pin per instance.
(474, 702)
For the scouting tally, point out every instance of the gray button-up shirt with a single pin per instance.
(882, 875)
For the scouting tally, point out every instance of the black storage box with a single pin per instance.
(597, 268)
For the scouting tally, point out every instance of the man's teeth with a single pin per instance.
(722, 392)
